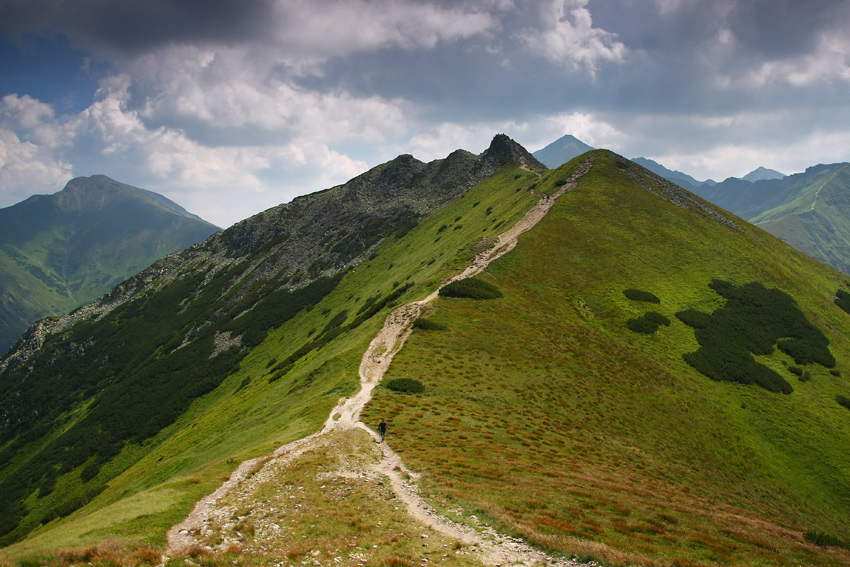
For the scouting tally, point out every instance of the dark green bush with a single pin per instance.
(806, 376)
(753, 320)
(471, 288)
(406, 385)
(835, 372)
(639, 295)
(796, 371)
(825, 540)
(428, 325)
(405, 228)
(843, 300)
(648, 323)
(336, 321)
(843, 400)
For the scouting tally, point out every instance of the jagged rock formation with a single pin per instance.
(312, 236)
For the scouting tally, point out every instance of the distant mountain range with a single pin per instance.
(567, 147)
(808, 210)
(60, 251)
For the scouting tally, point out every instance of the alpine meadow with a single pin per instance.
(583, 365)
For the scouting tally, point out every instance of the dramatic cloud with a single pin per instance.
(29, 143)
(566, 35)
(232, 107)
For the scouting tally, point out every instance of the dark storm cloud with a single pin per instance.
(131, 27)
(785, 28)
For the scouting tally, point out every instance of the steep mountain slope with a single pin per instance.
(546, 415)
(560, 410)
(60, 251)
(808, 210)
(561, 151)
(87, 396)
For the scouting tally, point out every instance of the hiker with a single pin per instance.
(382, 429)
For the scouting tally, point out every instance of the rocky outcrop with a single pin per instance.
(312, 236)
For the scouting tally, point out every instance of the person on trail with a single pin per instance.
(382, 429)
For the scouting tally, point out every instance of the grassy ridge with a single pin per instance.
(259, 405)
(545, 414)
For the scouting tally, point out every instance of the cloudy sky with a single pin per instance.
(229, 107)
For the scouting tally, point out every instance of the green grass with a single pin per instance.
(240, 420)
(564, 427)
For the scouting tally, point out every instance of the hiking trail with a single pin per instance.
(491, 547)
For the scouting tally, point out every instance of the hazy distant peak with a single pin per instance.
(678, 177)
(98, 191)
(762, 173)
(561, 151)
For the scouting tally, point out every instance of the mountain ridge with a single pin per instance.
(808, 210)
(544, 413)
(62, 250)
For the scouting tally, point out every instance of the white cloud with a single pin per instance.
(223, 184)
(29, 139)
(568, 37)
(338, 28)
(828, 63)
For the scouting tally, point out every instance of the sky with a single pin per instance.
(229, 107)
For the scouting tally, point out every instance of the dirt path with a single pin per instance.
(494, 548)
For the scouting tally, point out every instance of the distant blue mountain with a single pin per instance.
(60, 251)
(677, 177)
(561, 151)
(763, 174)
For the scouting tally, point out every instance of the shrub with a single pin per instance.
(648, 323)
(639, 295)
(405, 228)
(753, 320)
(796, 371)
(825, 540)
(471, 288)
(835, 372)
(428, 325)
(843, 300)
(406, 385)
(806, 376)
(843, 400)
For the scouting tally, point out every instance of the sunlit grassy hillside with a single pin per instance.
(283, 389)
(545, 414)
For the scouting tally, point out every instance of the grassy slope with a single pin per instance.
(52, 268)
(545, 414)
(188, 459)
(821, 232)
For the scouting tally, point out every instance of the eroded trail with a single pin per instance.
(492, 548)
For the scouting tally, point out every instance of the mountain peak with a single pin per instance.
(762, 173)
(503, 150)
(561, 151)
